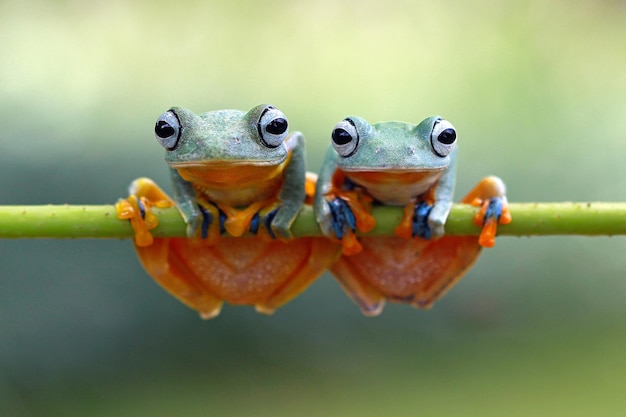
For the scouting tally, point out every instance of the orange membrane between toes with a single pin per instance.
(360, 204)
(489, 226)
(128, 209)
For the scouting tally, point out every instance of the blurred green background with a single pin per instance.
(537, 91)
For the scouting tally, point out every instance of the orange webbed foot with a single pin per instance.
(238, 222)
(489, 195)
(144, 194)
(405, 228)
(350, 211)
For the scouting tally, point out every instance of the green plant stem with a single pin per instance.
(529, 219)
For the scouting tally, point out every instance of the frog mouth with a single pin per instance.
(212, 164)
(228, 173)
(393, 170)
(394, 176)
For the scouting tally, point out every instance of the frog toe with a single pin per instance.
(437, 227)
(493, 211)
(280, 225)
(490, 195)
(344, 226)
(210, 223)
(342, 217)
(421, 226)
(140, 217)
(269, 218)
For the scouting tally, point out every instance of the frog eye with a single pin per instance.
(443, 137)
(272, 127)
(167, 130)
(345, 138)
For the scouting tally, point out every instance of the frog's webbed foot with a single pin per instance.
(349, 213)
(277, 222)
(237, 222)
(278, 215)
(144, 194)
(343, 225)
(212, 225)
(423, 219)
(276, 218)
(490, 195)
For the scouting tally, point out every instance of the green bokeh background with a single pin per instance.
(537, 92)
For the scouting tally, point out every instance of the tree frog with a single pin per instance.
(236, 173)
(413, 166)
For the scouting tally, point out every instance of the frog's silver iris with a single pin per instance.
(272, 127)
(443, 138)
(345, 138)
(167, 130)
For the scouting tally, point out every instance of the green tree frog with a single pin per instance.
(413, 166)
(236, 173)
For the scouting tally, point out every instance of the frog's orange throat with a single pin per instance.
(368, 178)
(239, 190)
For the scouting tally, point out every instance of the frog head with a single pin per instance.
(394, 161)
(394, 146)
(223, 137)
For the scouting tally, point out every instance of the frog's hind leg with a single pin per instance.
(321, 254)
(164, 265)
(490, 195)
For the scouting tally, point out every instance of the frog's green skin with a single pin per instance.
(233, 172)
(392, 147)
(413, 166)
(233, 139)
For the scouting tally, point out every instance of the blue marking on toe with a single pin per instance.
(142, 209)
(207, 219)
(341, 217)
(268, 222)
(336, 214)
(420, 220)
(494, 209)
(222, 221)
(349, 216)
(254, 224)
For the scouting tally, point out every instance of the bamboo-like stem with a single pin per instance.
(529, 219)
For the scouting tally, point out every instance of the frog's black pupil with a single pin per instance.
(277, 126)
(341, 136)
(163, 129)
(447, 137)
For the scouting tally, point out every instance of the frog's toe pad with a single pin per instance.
(420, 221)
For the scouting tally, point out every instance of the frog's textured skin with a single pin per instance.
(234, 173)
(414, 166)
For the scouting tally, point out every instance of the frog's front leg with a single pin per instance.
(341, 208)
(144, 193)
(426, 216)
(186, 201)
(490, 195)
(203, 218)
(292, 192)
